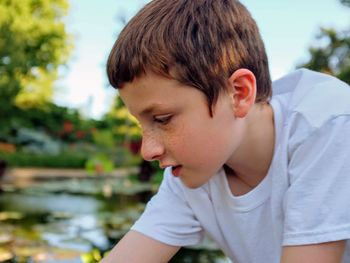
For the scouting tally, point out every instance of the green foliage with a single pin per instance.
(123, 158)
(36, 142)
(63, 160)
(345, 2)
(92, 256)
(157, 178)
(99, 164)
(123, 125)
(332, 55)
(60, 123)
(103, 138)
(33, 43)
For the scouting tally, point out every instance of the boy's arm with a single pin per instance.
(136, 247)
(331, 252)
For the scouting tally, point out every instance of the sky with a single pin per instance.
(288, 29)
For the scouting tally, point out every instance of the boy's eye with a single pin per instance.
(162, 119)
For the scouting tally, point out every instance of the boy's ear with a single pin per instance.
(242, 87)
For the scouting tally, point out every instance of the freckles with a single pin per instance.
(175, 141)
(178, 140)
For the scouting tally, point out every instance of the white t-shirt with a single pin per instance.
(304, 199)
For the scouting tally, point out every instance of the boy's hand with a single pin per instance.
(331, 252)
(135, 247)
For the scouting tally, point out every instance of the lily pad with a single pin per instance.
(7, 215)
(4, 239)
(5, 255)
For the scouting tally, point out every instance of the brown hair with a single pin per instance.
(199, 43)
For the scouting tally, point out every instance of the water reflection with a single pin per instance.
(58, 221)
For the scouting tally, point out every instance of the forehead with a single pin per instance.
(152, 92)
(148, 83)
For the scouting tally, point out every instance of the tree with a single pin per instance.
(33, 44)
(345, 2)
(124, 125)
(333, 57)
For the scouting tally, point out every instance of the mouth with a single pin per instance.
(176, 170)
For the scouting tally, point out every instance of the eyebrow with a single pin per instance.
(151, 108)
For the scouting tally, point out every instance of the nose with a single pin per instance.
(151, 149)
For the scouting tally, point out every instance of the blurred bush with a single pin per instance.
(99, 164)
(62, 160)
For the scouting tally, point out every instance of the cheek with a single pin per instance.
(183, 142)
(199, 143)
(212, 143)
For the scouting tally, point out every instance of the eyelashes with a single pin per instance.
(163, 120)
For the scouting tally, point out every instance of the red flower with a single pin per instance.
(68, 126)
(80, 134)
(135, 147)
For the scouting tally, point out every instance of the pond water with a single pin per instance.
(76, 220)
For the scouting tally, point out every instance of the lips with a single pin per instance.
(176, 170)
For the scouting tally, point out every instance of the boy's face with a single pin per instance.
(178, 130)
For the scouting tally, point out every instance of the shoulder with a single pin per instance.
(311, 104)
(313, 94)
(320, 98)
(310, 99)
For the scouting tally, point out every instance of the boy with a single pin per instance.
(267, 177)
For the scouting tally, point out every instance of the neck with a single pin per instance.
(253, 158)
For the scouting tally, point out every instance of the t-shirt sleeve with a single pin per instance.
(317, 203)
(168, 218)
